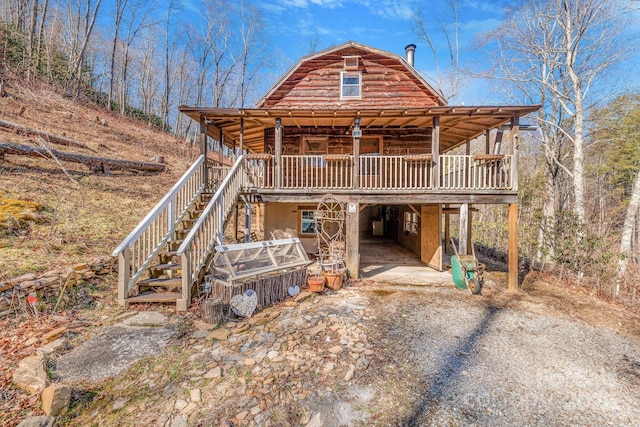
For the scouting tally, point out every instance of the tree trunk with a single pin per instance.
(627, 233)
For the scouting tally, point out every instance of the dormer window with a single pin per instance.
(351, 62)
(350, 85)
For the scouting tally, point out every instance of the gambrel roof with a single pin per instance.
(387, 79)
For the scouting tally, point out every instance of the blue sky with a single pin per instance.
(384, 24)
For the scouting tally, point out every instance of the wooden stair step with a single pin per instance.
(167, 266)
(162, 281)
(162, 297)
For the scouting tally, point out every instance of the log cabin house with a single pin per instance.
(359, 123)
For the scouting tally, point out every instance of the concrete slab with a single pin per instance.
(383, 260)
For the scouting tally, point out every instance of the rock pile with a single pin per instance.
(30, 283)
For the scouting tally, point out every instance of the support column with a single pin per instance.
(356, 155)
(278, 154)
(247, 221)
(515, 136)
(220, 154)
(353, 239)
(464, 229)
(513, 247)
(241, 137)
(447, 232)
(487, 141)
(203, 150)
(469, 230)
(435, 152)
(430, 239)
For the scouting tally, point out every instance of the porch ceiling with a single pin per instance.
(457, 124)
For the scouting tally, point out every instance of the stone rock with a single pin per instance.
(31, 341)
(195, 395)
(272, 354)
(214, 373)
(189, 408)
(328, 367)
(147, 318)
(40, 421)
(54, 333)
(336, 349)
(53, 346)
(221, 334)
(249, 361)
(181, 404)
(56, 399)
(199, 334)
(30, 375)
(203, 326)
(316, 420)
(119, 403)
(180, 421)
(23, 278)
(362, 363)
(350, 373)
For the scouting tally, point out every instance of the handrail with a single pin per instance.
(159, 206)
(139, 248)
(208, 230)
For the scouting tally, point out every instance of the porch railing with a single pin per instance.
(139, 248)
(386, 173)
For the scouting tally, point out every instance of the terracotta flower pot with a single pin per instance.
(316, 283)
(334, 278)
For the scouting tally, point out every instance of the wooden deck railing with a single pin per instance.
(385, 173)
(479, 172)
(208, 230)
(138, 249)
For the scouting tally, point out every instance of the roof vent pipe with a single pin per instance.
(410, 50)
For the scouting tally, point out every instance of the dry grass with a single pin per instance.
(77, 222)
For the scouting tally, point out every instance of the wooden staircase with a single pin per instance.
(165, 257)
(164, 284)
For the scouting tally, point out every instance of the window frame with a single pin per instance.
(411, 223)
(344, 74)
(301, 216)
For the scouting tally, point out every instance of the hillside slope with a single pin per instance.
(79, 220)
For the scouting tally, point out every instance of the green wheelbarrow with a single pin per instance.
(467, 271)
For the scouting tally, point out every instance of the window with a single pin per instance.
(309, 221)
(351, 62)
(411, 222)
(350, 85)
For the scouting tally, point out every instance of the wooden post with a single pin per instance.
(513, 247)
(447, 232)
(515, 136)
(241, 137)
(435, 151)
(469, 230)
(353, 239)
(278, 154)
(356, 157)
(247, 221)
(124, 273)
(487, 141)
(203, 136)
(430, 238)
(220, 154)
(464, 229)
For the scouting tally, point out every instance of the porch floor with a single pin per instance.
(383, 260)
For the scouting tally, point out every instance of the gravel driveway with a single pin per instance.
(447, 358)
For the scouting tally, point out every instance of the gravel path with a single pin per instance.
(456, 360)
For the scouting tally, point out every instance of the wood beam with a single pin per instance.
(435, 151)
(278, 153)
(353, 240)
(430, 239)
(515, 136)
(513, 247)
(464, 229)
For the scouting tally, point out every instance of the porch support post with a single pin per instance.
(513, 247)
(430, 238)
(203, 135)
(469, 229)
(353, 239)
(241, 138)
(247, 220)
(515, 136)
(203, 150)
(278, 153)
(220, 147)
(464, 229)
(487, 141)
(435, 150)
(356, 156)
(447, 233)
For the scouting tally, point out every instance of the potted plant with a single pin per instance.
(334, 278)
(316, 283)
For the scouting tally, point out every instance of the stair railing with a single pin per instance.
(208, 231)
(140, 247)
